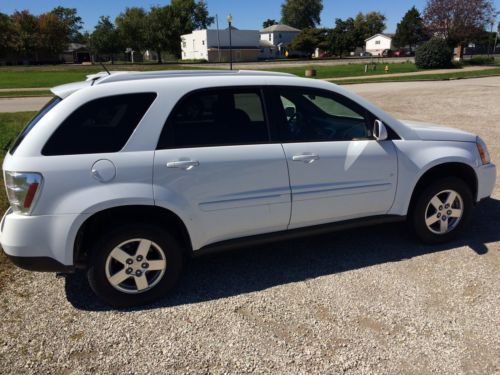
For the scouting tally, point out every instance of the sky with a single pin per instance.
(247, 14)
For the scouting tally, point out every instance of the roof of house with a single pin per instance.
(389, 36)
(75, 46)
(279, 27)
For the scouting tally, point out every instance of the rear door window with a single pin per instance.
(46, 108)
(100, 126)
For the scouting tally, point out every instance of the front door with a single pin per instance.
(337, 169)
(216, 167)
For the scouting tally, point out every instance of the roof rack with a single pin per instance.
(101, 78)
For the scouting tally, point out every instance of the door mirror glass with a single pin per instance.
(379, 131)
(289, 111)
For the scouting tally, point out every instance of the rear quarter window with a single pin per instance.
(100, 126)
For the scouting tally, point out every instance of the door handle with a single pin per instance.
(183, 164)
(306, 158)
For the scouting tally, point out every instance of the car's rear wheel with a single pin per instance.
(134, 265)
(442, 210)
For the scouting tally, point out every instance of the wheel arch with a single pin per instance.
(450, 169)
(96, 225)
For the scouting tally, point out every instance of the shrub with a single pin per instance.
(433, 54)
(481, 60)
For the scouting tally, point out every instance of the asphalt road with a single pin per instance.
(370, 300)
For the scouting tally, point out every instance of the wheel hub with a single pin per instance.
(444, 212)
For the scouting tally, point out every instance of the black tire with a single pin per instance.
(110, 295)
(418, 215)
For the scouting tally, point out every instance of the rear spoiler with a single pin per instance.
(66, 90)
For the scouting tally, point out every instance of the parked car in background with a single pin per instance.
(126, 175)
(403, 52)
(387, 53)
(365, 54)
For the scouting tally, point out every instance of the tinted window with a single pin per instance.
(101, 125)
(215, 118)
(308, 115)
(51, 104)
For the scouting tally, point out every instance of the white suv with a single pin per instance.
(126, 174)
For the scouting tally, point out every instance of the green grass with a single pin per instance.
(10, 125)
(20, 93)
(425, 77)
(347, 70)
(49, 76)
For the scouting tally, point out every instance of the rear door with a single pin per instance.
(337, 169)
(217, 168)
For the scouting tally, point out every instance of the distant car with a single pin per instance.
(325, 55)
(403, 53)
(387, 53)
(365, 54)
(127, 174)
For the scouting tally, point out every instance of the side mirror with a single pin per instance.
(289, 111)
(380, 131)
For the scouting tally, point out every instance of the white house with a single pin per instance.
(275, 39)
(377, 43)
(213, 45)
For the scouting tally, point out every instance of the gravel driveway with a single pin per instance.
(365, 301)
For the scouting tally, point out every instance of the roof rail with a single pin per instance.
(134, 75)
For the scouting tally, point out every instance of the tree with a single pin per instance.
(410, 31)
(185, 16)
(301, 14)
(6, 34)
(105, 38)
(308, 40)
(269, 22)
(367, 25)
(53, 33)
(132, 28)
(457, 21)
(72, 21)
(159, 31)
(25, 26)
(342, 37)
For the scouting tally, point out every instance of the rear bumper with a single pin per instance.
(486, 178)
(40, 243)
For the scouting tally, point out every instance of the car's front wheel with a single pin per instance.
(134, 265)
(442, 210)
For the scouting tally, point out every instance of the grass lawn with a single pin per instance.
(423, 76)
(24, 94)
(10, 124)
(347, 70)
(49, 76)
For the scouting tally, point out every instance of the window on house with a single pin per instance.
(269, 37)
(203, 42)
(377, 42)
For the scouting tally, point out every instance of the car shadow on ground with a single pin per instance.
(254, 269)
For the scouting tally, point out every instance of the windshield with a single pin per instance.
(31, 124)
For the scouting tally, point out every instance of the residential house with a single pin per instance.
(213, 45)
(76, 53)
(275, 40)
(377, 43)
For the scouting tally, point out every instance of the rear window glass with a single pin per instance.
(99, 126)
(51, 104)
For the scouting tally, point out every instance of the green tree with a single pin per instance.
(52, 34)
(342, 37)
(301, 14)
(26, 34)
(72, 21)
(269, 22)
(308, 40)
(159, 32)
(6, 34)
(132, 28)
(367, 25)
(410, 31)
(185, 16)
(105, 38)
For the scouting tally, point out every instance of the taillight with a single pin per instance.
(22, 190)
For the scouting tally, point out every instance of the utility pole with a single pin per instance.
(230, 21)
(218, 36)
